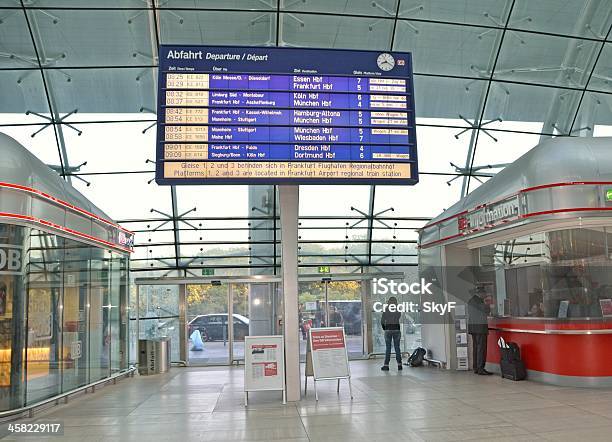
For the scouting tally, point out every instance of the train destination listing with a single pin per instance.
(285, 115)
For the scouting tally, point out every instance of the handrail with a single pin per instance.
(30, 408)
(597, 331)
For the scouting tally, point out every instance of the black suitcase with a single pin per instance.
(512, 367)
(514, 370)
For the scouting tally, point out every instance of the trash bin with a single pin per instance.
(153, 356)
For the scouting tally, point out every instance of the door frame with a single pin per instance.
(182, 284)
(366, 312)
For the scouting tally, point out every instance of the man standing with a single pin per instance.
(478, 327)
(335, 318)
(390, 323)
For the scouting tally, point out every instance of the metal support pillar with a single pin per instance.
(183, 333)
(289, 204)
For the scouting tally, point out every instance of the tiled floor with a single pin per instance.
(419, 404)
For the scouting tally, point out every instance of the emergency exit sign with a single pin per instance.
(208, 272)
(324, 269)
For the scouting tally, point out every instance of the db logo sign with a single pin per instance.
(75, 350)
(10, 259)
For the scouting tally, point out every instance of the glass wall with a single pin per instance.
(558, 274)
(159, 316)
(63, 315)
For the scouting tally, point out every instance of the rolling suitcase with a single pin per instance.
(511, 364)
(514, 370)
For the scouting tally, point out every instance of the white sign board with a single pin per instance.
(328, 355)
(310, 306)
(264, 364)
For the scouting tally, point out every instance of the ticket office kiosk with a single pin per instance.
(538, 238)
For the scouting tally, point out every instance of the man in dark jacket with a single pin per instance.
(335, 318)
(390, 322)
(478, 327)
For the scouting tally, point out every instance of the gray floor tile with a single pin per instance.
(206, 404)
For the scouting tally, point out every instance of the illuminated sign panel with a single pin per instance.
(239, 115)
(490, 215)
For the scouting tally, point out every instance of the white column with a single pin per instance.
(288, 196)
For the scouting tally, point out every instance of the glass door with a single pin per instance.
(311, 310)
(207, 313)
(410, 326)
(158, 315)
(346, 310)
(208, 321)
(253, 310)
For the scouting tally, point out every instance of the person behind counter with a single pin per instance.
(390, 323)
(478, 327)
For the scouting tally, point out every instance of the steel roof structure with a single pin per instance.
(492, 78)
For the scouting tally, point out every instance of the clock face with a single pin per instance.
(385, 62)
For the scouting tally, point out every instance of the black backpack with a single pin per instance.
(417, 357)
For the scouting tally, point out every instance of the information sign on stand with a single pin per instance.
(327, 357)
(264, 365)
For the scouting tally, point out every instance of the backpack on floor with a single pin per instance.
(417, 357)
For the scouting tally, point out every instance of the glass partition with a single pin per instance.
(44, 310)
(61, 309)
(159, 315)
(75, 314)
(99, 309)
(561, 274)
(12, 318)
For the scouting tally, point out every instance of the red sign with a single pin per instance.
(463, 224)
(326, 339)
(270, 369)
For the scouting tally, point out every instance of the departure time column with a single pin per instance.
(184, 94)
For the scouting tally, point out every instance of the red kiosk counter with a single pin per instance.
(563, 352)
(537, 239)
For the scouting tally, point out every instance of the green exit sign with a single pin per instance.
(208, 272)
(609, 195)
(324, 269)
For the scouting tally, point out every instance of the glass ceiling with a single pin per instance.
(492, 79)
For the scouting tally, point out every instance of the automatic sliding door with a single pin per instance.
(311, 310)
(345, 310)
(158, 315)
(410, 327)
(254, 310)
(207, 323)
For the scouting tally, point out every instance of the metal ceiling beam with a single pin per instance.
(586, 84)
(508, 8)
(371, 222)
(574, 49)
(57, 129)
(155, 39)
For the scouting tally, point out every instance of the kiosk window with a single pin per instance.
(557, 274)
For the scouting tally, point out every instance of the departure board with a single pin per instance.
(245, 115)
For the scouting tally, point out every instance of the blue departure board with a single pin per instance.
(245, 115)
